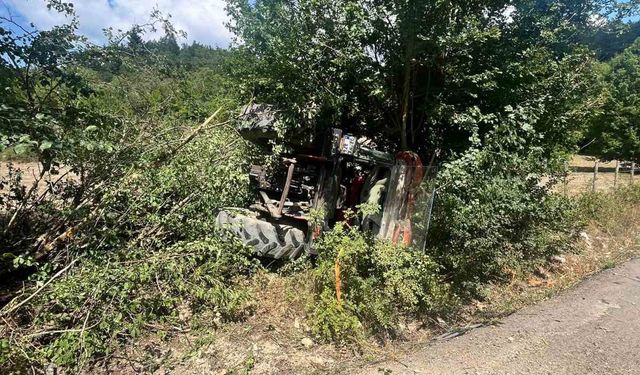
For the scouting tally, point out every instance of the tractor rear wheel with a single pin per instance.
(278, 241)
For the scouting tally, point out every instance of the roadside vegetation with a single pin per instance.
(610, 237)
(111, 238)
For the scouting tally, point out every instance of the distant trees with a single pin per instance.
(615, 131)
(612, 40)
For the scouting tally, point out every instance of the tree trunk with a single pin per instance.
(405, 107)
(408, 70)
(565, 180)
(595, 174)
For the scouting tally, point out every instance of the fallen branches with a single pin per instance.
(6, 311)
(171, 153)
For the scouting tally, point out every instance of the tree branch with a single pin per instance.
(12, 309)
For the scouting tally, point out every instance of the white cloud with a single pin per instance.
(202, 20)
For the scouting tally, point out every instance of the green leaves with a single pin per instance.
(117, 183)
(322, 63)
(22, 261)
(494, 213)
(22, 148)
(380, 284)
(615, 131)
(45, 145)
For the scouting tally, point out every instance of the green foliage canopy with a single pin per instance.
(422, 74)
(615, 132)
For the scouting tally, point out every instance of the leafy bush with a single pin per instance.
(108, 299)
(138, 223)
(143, 248)
(129, 240)
(379, 284)
(494, 213)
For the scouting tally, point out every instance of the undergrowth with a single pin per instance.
(366, 286)
(128, 244)
(126, 247)
(495, 216)
(146, 250)
(106, 301)
(611, 225)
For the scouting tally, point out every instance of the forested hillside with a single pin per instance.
(136, 149)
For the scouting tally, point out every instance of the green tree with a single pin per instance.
(87, 111)
(134, 40)
(37, 105)
(616, 130)
(502, 91)
(613, 39)
(421, 74)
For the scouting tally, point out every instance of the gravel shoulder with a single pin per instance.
(593, 328)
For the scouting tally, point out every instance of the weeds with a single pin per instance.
(128, 244)
(365, 286)
(610, 237)
(106, 301)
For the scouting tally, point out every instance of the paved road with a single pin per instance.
(593, 328)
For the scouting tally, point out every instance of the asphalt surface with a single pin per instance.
(593, 328)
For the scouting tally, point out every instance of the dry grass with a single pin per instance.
(580, 179)
(269, 341)
(610, 239)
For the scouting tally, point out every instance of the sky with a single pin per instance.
(202, 20)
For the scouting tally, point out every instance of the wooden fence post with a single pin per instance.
(595, 174)
(565, 180)
(615, 181)
(633, 170)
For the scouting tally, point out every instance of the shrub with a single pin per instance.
(107, 299)
(494, 215)
(129, 239)
(144, 245)
(138, 223)
(379, 284)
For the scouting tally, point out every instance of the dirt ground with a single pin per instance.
(592, 329)
(30, 173)
(581, 175)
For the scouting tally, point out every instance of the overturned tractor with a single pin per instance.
(336, 173)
